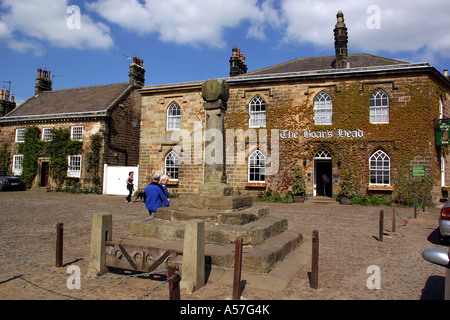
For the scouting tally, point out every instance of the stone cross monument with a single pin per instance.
(215, 93)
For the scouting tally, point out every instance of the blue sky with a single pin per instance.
(87, 42)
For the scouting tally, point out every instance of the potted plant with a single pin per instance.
(299, 186)
(348, 189)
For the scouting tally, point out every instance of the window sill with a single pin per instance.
(380, 188)
(255, 184)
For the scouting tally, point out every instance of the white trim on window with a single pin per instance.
(257, 112)
(171, 161)
(17, 164)
(323, 109)
(257, 167)
(76, 133)
(74, 166)
(47, 134)
(380, 169)
(20, 135)
(173, 117)
(379, 107)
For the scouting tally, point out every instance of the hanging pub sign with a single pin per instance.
(442, 137)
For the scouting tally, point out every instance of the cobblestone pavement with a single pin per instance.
(348, 246)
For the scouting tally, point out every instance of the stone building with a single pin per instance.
(358, 115)
(111, 111)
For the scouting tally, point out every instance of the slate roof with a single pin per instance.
(325, 63)
(94, 99)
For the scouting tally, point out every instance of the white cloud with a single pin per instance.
(192, 22)
(33, 23)
(416, 28)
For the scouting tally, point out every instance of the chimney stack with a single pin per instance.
(340, 41)
(137, 73)
(43, 81)
(5, 104)
(237, 63)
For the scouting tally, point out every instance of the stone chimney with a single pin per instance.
(43, 81)
(6, 105)
(137, 73)
(340, 41)
(237, 63)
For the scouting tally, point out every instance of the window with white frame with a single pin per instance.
(171, 165)
(74, 169)
(256, 167)
(76, 133)
(380, 169)
(379, 107)
(173, 117)
(47, 134)
(17, 164)
(257, 112)
(323, 108)
(20, 135)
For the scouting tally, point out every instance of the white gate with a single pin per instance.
(115, 179)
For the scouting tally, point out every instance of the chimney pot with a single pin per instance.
(446, 72)
(7, 95)
(13, 99)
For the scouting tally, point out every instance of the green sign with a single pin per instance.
(442, 136)
(418, 171)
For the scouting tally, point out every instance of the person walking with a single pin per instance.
(163, 183)
(130, 186)
(154, 196)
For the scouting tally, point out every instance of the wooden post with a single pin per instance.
(59, 244)
(315, 260)
(415, 209)
(381, 226)
(393, 217)
(237, 269)
(174, 283)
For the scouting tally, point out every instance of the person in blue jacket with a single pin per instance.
(154, 196)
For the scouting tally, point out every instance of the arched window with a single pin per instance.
(173, 117)
(171, 165)
(380, 168)
(323, 108)
(256, 167)
(257, 112)
(379, 107)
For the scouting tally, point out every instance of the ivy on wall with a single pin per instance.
(409, 133)
(30, 149)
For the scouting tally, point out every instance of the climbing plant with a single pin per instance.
(93, 158)
(30, 149)
(59, 148)
(5, 157)
(413, 106)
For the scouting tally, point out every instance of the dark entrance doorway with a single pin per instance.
(323, 177)
(45, 171)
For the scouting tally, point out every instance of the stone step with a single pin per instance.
(261, 258)
(253, 233)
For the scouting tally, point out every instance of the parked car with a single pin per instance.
(9, 182)
(444, 222)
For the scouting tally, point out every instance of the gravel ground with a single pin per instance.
(348, 246)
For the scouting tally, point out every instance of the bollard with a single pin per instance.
(315, 260)
(100, 233)
(415, 209)
(393, 217)
(59, 244)
(237, 269)
(174, 283)
(194, 255)
(381, 226)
